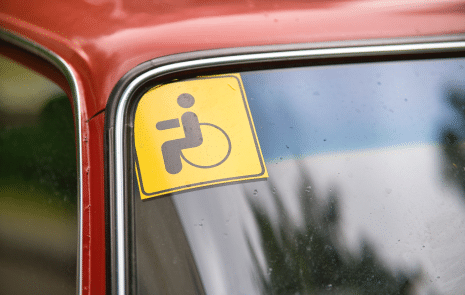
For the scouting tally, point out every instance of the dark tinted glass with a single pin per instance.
(38, 204)
(365, 193)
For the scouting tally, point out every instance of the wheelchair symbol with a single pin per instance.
(172, 149)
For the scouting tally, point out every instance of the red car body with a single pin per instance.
(96, 42)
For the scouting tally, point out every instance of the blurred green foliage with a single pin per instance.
(44, 153)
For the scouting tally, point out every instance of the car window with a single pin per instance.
(364, 192)
(38, 185)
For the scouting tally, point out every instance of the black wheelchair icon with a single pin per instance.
(172, 149)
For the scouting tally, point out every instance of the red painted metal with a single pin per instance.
(103, 39)
(36, 64)
(95, 180)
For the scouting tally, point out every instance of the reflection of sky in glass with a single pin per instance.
(373, 136)
(357, 107)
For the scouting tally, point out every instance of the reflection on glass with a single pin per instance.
(309, 259)
(453, 140)
(38, 209)
(366, 186)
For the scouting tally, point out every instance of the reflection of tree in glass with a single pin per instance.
(38, 201)
(307, 260)
(453, 142)
(45, 153)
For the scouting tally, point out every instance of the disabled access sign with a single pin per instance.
(195, 133)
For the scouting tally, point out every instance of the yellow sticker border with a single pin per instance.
(211, 182)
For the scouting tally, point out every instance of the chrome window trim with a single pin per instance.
(66, 70)
(388, 48)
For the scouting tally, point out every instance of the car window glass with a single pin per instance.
(365, 193)
(38, 186)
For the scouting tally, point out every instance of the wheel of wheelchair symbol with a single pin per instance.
(218, 162)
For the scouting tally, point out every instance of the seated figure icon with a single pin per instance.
(195, 133)
(172, 150)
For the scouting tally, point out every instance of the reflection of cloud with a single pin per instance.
(393, 210)
(212, 220)
(310, 256)
(396, 199)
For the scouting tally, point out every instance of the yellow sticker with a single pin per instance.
(195, 133)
